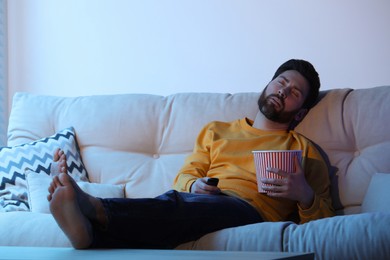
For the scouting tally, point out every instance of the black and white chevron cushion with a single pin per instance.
(36, 156)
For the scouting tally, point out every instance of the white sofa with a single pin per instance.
(136, 143)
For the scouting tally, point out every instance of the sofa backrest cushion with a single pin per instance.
(133, 139)
(352, 127)
(141, 140)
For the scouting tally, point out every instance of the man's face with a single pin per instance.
(284, 96)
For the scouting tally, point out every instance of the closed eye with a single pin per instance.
(282, 82)
(296, 93)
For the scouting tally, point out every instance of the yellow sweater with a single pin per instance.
(224, 150)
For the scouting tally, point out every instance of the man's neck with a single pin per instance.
(263, 123)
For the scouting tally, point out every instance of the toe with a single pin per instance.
(56, 154)
(56, 182)
(65, 179)
(51, 188)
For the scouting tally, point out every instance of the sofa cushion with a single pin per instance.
(23, 228)
(38, 184)
(36, 156)
(265, 236)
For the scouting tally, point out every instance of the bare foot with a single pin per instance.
(74, 210)
(57, 166)
(59, 163)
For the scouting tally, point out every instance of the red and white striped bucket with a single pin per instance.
(280, 159)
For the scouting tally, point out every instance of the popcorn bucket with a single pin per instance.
(280, 159)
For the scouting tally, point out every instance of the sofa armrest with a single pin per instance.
(358, 236)
(377, 197)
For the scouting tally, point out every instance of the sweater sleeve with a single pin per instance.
(317, 176)
(196, 164)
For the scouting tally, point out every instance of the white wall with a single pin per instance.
(84, 47)
(3, 74)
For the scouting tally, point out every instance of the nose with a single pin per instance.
(281, 93)
(284, 92)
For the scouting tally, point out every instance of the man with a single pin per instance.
(222, 150)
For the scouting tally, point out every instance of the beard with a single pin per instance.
(269, 110)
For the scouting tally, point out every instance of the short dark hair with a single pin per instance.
(307, 70)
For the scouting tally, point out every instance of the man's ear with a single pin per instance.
(301, 114)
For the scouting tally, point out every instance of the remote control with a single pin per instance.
(212, 181)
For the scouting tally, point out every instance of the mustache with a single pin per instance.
(276, 96)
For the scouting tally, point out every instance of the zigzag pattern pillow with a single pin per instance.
(36, 156)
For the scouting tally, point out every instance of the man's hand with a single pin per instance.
(200, 186)
(293, 186)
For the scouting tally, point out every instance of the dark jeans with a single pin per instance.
(170, 219)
